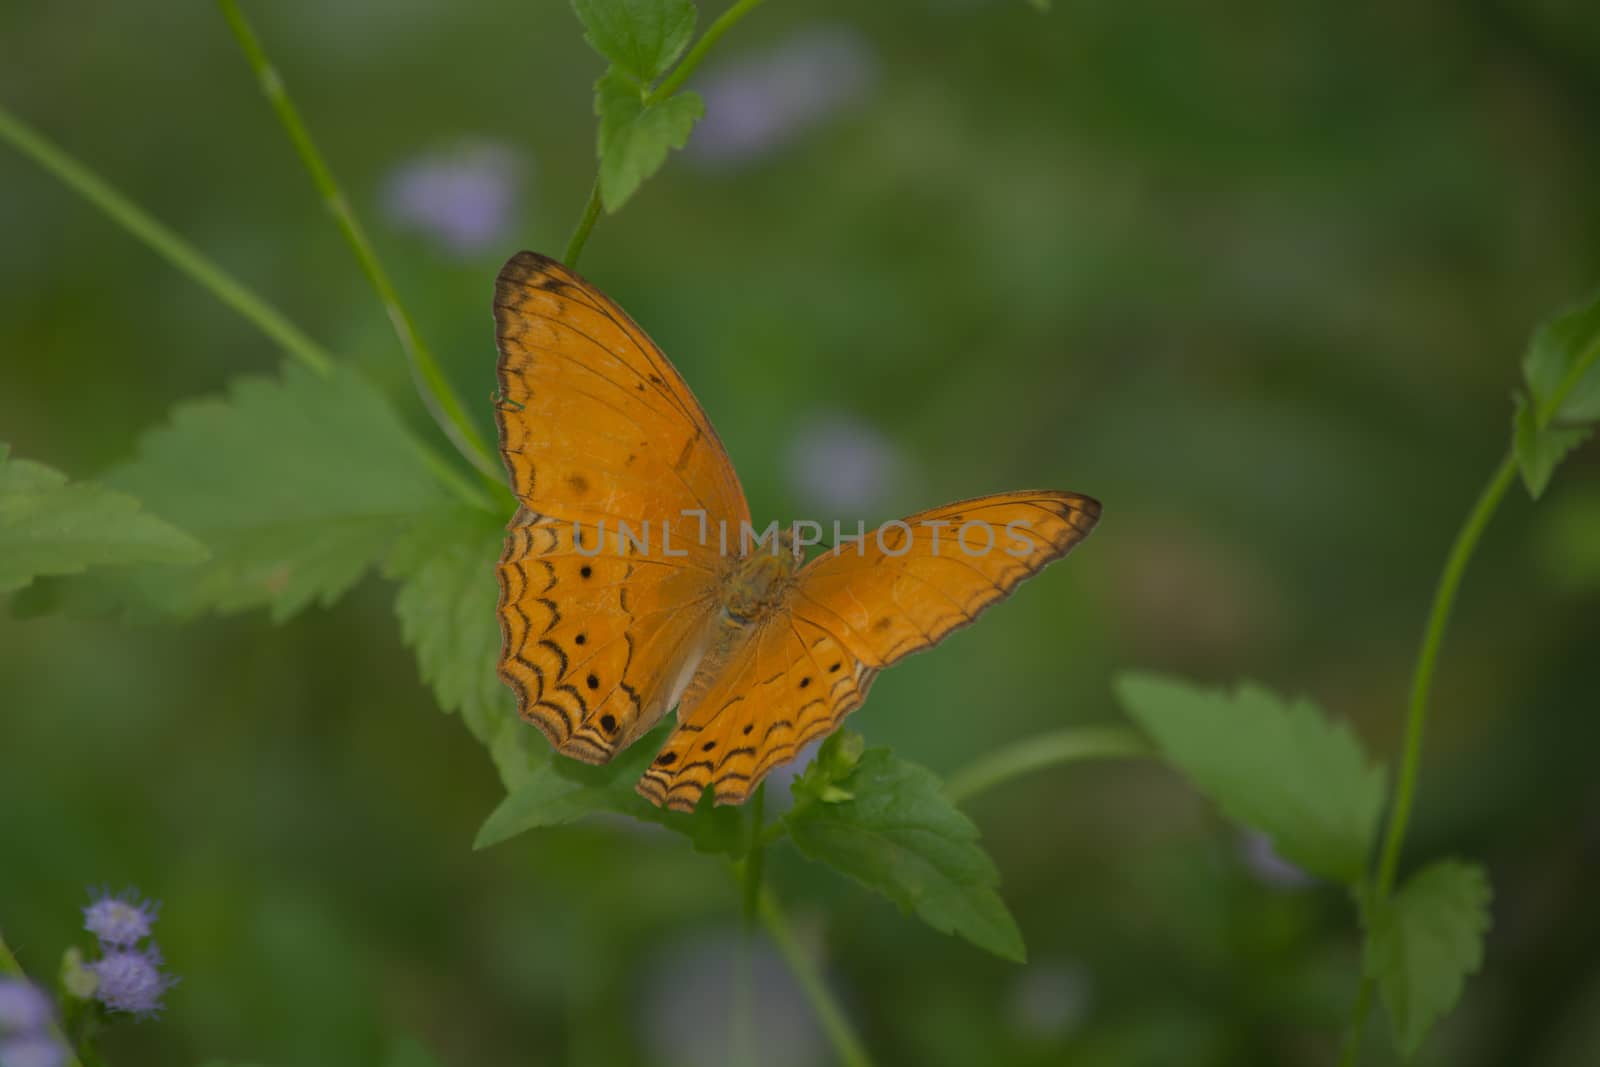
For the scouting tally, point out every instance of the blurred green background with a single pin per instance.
(1258, 278)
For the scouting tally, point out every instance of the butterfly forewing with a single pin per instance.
(908, 585)
(595, 423)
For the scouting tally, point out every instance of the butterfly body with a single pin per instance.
(760, 582)
(609, 618)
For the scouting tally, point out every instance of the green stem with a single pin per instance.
(1070, 745)
(750, 872)
(10, 966)
(680, 74)
(193, 262)
(165, 243)
(1575, 374)
(754, 861)
(1444, 598)
(432, 386)
(668, 85)
(8, 962)
(580, 236)
(827, 1010)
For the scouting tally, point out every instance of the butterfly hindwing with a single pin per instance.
(785, 685)
(596, 641)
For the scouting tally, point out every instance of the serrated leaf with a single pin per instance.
(560, 790)
(1538, 451)
(1282, 768)
(49, 525)
(1558, 346)
(297, 485)
(641, 38)
(898, 834)
(1424, 943)
(446, 604)
(1564, 353)
(635, 139)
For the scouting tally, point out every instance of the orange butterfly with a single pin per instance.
(632, 580)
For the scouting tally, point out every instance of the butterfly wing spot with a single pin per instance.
(578, 482)
(608, 723)
(805, 681)
(586, 571)
(593, 681)
(708, 746)
(667, 759)
(581, 639)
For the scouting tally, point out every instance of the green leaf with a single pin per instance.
(297, 485)
(1540, 451)
(635, 139)
(890, 827)
(1423, 944)
(1558, 348)
(446, 604)
(49, 525)
(1562, 362)
(1282, 768)
(641, 38)
(560, 790)
(1041, 6)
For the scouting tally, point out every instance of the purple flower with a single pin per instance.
(1051, 1000)
(122, 920)
(464, 197)
(37, 1050)
(23, 1007)
(694, 980)
(754, 104)
(842, 465)
(132, 981)
(1263, 861)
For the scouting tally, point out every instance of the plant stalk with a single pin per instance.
(438, 396)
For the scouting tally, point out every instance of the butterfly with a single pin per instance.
(633, 581)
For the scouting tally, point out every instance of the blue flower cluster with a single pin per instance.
(128, 978)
